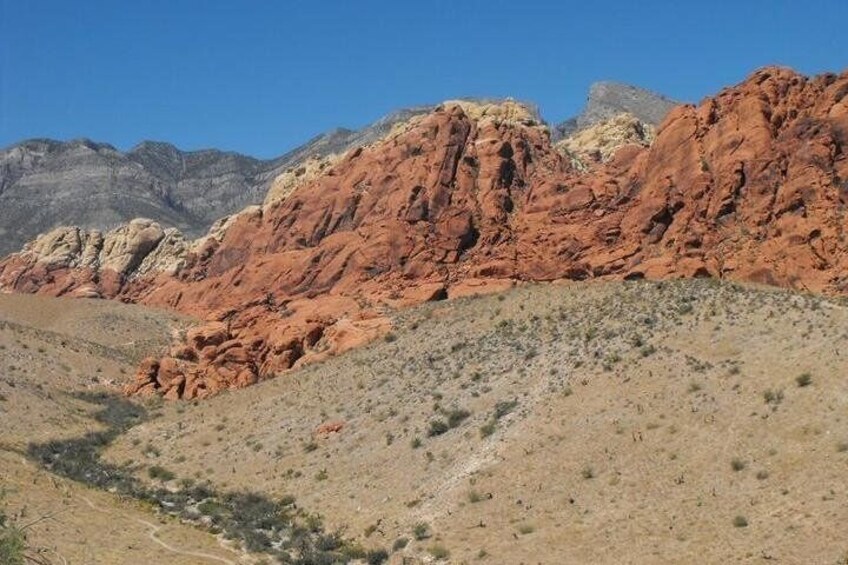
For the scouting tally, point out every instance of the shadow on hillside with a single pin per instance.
(260, 524)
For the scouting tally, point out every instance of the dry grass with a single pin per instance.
(596, 376)
(51, 349)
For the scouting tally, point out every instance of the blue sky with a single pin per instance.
(262, 77)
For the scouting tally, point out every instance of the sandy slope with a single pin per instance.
(641, 429)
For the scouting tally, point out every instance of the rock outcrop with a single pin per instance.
(607, 100)
(748, 185)
(601, 141)
(45, 183)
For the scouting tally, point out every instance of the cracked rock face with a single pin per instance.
(600, 142)
(749, 185)
(46, 183)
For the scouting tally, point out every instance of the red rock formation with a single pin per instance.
(748, 185)
(328, 428)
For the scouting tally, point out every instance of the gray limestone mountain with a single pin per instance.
(609, 99)
(46, 183)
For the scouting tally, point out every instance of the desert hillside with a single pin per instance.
(673, 422)
(60, 360)
(667, 421)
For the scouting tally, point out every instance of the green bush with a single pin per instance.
(504, 407)
(456, 416)
(421, 531)
(804, 379)
(488, 429)
(377, 557)
(12, 543)
(161, 473)
(437, 427)
(740, 522)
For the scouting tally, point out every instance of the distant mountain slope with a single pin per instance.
(608, 99)
(46, 183)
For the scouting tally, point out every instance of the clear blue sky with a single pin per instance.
(262, 77)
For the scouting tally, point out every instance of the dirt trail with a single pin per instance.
(154, 529)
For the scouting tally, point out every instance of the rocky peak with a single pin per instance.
(609, 99)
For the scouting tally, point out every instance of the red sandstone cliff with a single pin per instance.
(749, 185)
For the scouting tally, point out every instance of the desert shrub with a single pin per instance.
(647, 351)
(400, 543)
(259, 523)
(12, 542)
(737, 464)
(160, 473)
(773, 397)
(437, 427)
(421, 531)
(377, 557)
(740, 522)
(804, 379)
(456, 416)
(504, 407)
(14, 549)
(488, 429)
(438, 551)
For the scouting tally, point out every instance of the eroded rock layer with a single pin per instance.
(749, 185)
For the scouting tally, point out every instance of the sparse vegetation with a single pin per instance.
(14, 548)
(488, 429)
(438, 551)
(740, 521)
(160, 473)
(261, 524)
(804, 380)
(421, 531)
(12, 542)
(437, 427)
(456, 416)
(773, 397)
(525, 529)
(620, 424)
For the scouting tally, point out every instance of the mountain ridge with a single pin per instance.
(473, 198)
(46, 183)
